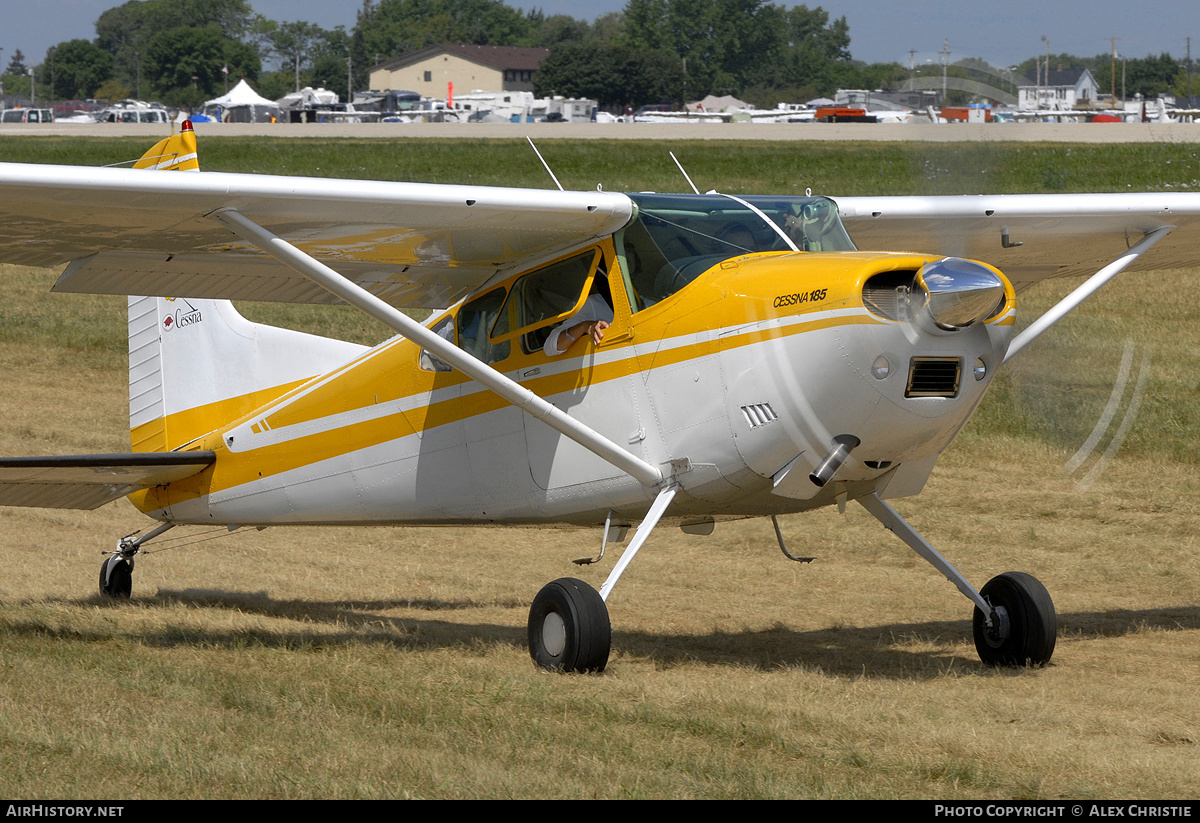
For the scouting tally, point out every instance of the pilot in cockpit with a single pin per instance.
(593, 317)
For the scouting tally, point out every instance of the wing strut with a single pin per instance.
(509, 389)
(1089, 287)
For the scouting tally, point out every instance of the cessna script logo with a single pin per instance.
(182, 317)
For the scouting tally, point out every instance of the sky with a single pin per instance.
(1003, 34)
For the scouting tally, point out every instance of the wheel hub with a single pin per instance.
(554, 634)
(1001, 628)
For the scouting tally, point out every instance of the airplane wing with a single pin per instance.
(88, 481)
(123, 231)
(1031, 237)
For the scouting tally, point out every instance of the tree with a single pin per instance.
(126, 31)
(17, 64)
(330, 67)
(608, 27)
(394, 27)
(561, 28)
(727, 45)
(294, 43)
(183, 65)
(111, 91)
(74, 69)
(613, 74)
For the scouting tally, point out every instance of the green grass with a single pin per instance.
(758, 167)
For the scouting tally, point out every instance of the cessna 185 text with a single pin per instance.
(608, 359)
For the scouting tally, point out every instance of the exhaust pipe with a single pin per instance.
(827, 468)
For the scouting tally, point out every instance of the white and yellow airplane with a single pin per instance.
(754, 362)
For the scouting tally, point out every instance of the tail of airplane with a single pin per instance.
(195, 365)
(174, 153)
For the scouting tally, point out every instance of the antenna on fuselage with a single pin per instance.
(544, 163)
(683, 172)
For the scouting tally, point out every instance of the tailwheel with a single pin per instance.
(569, 629)
(1024, 625)
(116, 576)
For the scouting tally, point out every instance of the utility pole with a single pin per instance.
(1113, 70)
(1189, 71)
(945, 53)
(1048, 73)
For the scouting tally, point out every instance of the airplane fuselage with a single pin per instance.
(735, 385)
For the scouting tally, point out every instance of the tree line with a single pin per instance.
(183, 52)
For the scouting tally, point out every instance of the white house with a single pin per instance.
(429, 71)
(1063, 90)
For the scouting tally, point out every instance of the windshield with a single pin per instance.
(674, 238)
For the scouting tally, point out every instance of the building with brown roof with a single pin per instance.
(429, 71)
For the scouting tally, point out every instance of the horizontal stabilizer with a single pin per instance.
(88, 481)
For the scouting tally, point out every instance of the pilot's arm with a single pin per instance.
(591, 320)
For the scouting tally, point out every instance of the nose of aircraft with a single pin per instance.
(958, 293)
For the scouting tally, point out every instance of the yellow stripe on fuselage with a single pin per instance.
(185, 426)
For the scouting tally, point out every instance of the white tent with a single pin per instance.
(242, 105)
(727, 103)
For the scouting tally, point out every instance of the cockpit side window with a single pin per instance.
(812, 223)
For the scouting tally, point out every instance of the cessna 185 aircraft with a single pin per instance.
(607, 358)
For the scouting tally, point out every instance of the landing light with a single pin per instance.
(959, 293)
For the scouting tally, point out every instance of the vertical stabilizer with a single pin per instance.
(174, 153)
(195, 365)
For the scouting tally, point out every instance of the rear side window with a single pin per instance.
(474, 321)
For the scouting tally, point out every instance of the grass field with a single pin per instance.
(391, 663)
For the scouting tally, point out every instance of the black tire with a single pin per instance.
(116, 577)
(1032, 622)
(569, 629)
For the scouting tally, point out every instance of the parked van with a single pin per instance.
(132, 115)
(24, 115)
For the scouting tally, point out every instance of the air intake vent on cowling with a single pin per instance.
(887, 294)
(759, 414)
(933, 377)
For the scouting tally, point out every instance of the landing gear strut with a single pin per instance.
(569, 629)
(1014, 620)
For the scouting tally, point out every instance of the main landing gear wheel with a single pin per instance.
(116, 576)
(1024, 625)
(569, 629)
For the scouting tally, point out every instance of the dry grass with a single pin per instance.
(299, 663)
